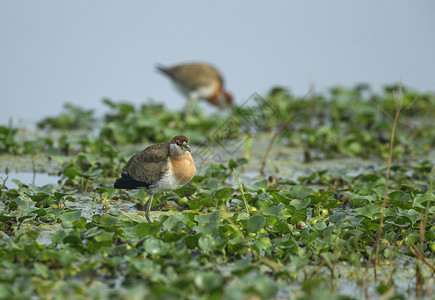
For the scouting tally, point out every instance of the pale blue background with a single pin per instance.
(54, 52)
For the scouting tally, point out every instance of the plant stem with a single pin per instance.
(398, 104)
(272, 140)
(239, 183)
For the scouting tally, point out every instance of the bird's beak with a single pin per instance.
(186, 148)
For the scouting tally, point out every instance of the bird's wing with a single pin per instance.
(150, 164)
(192, 76)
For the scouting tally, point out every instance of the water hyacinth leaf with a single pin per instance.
(207, 243)
(263, 243)
(208, 228)
(12, 205)
(300, 204)
(265, 287)
(27, 236)
(67, 218)
(421, 200)
(194, 204)
(156, 246)
(207, 202)
(299, 191)
(58, 237)
(280, 198)
(413, 215)
(41, 270)
(39, 197)
(255, 223)
(173, 223)
(47, 189)
(12, 194)
(297, 217)
(185, 191)
(224, 194)
(208, 281)
(207, 218)
(400, 199)
(320, 225)
(257, 186)
(59, 196)
(4, 218)
(108, 220)
(71, 172)
(402, 221)
(104, 236)
(337, 217)
(274, 209)
(143, 229)
(244, 216)
(191, 241)
(26, 217)
(370, 211)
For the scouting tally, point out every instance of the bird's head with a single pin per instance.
(228, 99)
(180, 144)
(223, 99)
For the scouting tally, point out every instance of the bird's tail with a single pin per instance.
(127, 182)
(162, 68)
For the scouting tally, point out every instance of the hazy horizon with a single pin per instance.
(80, 52)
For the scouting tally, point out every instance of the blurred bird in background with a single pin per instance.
(198, 81)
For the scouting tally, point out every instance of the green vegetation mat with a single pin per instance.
(287, 203)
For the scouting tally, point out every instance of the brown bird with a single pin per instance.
(199, 81)
(159, 168)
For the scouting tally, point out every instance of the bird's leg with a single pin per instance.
(190, 105)
(148, 208)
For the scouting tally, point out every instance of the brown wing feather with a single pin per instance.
(150, 164)
(194, 75)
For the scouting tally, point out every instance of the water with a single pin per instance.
(38, 179)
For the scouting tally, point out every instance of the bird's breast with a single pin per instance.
(180, 172)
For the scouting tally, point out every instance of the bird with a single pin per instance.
(159, 168)
(198, 81)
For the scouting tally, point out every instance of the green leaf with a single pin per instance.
(256, 187)
(280, 198)
(299, 191)
(208, 218)
(297, 216)
(400, 199)
(71, 172)
(108, 220)
(59, 196)
(208, 281)
(207, 243)
(156, 246)
(58, 237)
(224, 194)
(38, 197)
(255, 223)
(4, 218)
(67, 218)
(274, 209)
(337, 217)
(143, 229)
(300, 204)
(104, 236)
(263, 243)
(370, 211)
(185, 191)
